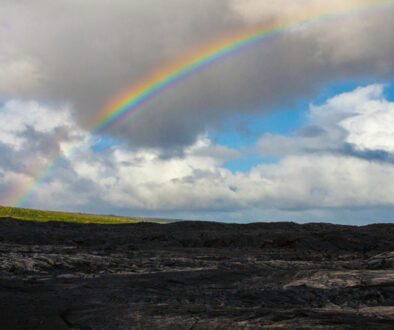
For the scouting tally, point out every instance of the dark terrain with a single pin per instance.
(196, 275)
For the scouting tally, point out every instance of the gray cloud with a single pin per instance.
(311, 131)
(83, 53)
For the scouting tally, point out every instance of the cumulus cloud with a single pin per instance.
(21, 118)
(119, 176)
(358, 123)
(83, 53)
(29, 143)
(371, 126)
(314, 177)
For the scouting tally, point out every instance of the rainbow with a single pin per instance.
(157, 83)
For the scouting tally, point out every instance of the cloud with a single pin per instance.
(119, 176)
(83, 54)
(358, 123)
(372, 127)
(315, 176)
(22, 119)
(31, 142)
(315, 170)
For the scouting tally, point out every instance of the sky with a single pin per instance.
(299, 127)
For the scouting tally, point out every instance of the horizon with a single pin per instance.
(172, 220)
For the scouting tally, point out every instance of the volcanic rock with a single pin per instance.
(195, 275)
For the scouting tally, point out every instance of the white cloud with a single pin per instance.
(325, 181)
(365, 115)
(362, 118)
(372, 127)
(312, 178)
(18, 116)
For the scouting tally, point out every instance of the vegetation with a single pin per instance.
(45, 216)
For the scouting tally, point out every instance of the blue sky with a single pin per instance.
(242, 132)
(280, 121)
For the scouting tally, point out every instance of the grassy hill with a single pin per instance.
(44, 216)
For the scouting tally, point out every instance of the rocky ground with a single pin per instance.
(195, 275)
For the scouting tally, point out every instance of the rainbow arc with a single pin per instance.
(168, 76)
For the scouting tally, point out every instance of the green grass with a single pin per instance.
(45, 216)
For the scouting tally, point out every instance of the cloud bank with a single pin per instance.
(83, 53)
(329, 164)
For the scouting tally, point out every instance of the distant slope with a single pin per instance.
(45, 216)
